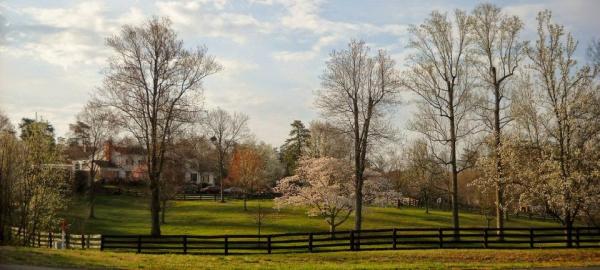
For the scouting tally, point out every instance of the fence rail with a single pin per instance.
(54, 239)
(214, 197)
(401, 238)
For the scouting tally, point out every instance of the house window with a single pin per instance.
(194, 177)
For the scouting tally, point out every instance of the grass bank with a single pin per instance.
(409, 259)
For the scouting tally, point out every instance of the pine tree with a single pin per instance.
(295, 146)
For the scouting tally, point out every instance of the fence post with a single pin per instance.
(441, 237)
(577, 236)
(101, 242)
(310, 242)
(50, 239)
(226, 245)
(485, 237)
(82, 241)
(40, 239)
(139, 244)
(352, 240)
(185, 244)
(357, 240)
(531, 237)
(68, 240)
(395, 234)
(87, 241)
(269, 244)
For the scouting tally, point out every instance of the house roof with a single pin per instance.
(130, 150)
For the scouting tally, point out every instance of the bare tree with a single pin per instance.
(357, 89)
(225, 131)
(154, 84)
(439, 75)
(496, 39)
(95, 125)
(426, 174)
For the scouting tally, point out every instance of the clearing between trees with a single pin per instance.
(120, 214)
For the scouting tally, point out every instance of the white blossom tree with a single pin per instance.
(569, 100)
(324, 185)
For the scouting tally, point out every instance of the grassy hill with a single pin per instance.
(119, 214)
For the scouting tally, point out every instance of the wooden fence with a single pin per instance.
(54, 239)
(215, 197)
(381, 239)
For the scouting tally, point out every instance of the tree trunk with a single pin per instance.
(245, 204)
(92, 194)
(332, 227)
(221, 173)
(358, 202)
(455, 221)
(569, 230)
(162, 213)
(497, 138)
(426, 204)
(155, 204)
(92, 214)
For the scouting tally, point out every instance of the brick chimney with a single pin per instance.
(108, 149)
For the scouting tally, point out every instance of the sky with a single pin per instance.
(52, 53)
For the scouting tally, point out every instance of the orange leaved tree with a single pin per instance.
(246, 171)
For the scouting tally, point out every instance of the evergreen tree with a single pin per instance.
(295, 146)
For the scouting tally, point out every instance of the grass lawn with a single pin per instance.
(411, 259)
(119, 214)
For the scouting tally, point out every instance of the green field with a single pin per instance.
(411, 259)
(119, 214)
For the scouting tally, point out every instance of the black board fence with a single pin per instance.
(215, 197)
(380, 239)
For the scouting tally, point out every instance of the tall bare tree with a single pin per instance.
(95, 125)
(496, 39)
(357, 91)
(225, 131)
(439, 74)
(154, 84)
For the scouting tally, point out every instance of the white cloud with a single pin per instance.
(84, 15)
(233, 67)
(196, 17)
(65, 49)
(304, 16)
(289, 56)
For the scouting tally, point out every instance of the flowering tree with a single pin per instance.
(325, 185)
(380, 190)
(570, 104)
